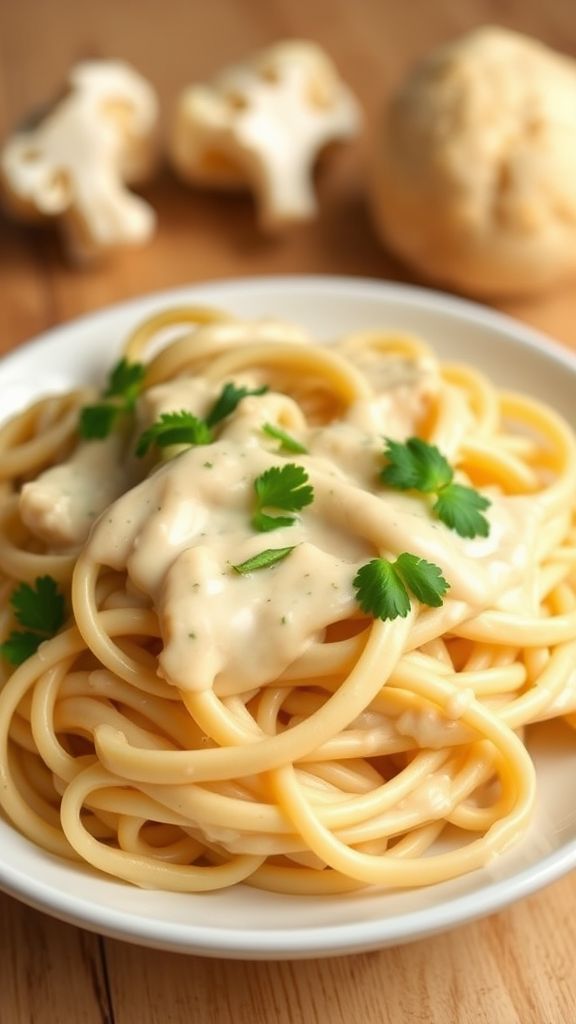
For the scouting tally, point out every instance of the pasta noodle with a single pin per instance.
(190, 727)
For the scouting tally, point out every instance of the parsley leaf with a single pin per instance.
(460, 508)
(174, 428)
(264, 523)
(41, 610)
(419, 466)
(20, 646)
(382, 586)
(423, 578)
(262, 560)
(184, 427)
(380, 590)
(228, 400)
(416, 466)
(287, 442)
(40, 607)
(125, 383)
(284, 487)
(280, 487)
(97, 421)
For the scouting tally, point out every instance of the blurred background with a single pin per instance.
(203, 235)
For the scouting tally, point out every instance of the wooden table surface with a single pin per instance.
(516, 967)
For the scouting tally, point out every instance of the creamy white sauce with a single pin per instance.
(61, 505)
(459, 703)
(191, 393)
(179, 532)
(428, 728)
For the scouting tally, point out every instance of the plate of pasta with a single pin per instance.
(287, 617)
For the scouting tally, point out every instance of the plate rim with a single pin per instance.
(420, 296)
(322, 940)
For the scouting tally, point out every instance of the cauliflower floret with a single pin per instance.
(262, 124)
(74, 164)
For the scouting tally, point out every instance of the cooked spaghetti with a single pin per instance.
(219, 705)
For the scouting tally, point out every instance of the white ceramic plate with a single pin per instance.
(244, 923)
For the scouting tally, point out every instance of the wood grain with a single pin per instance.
(49, 973)
(514, 968)
(509, 969)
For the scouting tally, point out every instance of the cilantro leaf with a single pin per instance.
(419, 466)
(382, 586)
(41, 610)
(184, 427)
(264, 523)
(284, 487)
(125, 381)
(174, 428)
(40, 607)
(280, 487)
(380, 590)
(20, 646)
(263, 559)
(460, 508)
(287, 442)
(97, 421)
(416, 465)
(228, 400)
(423, 578)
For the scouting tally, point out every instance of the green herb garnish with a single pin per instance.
(125, 382)
(287, 442)
(97, 421)
(184, 427)
(382, 587)
(419, 466)
(283, 488)
(41, 610)
(174, 428)
(124, 385)
(461, 509)
(262, 560)
(228, 400)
